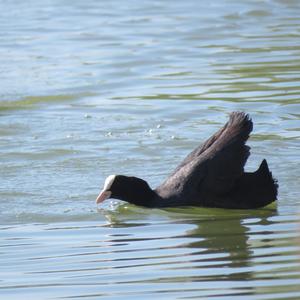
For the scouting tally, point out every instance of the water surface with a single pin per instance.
(130, 87)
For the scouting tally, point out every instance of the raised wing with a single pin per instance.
(228, 154)
(215, 165)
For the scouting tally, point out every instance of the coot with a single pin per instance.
(212, 176)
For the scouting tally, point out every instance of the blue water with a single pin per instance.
(131, 87)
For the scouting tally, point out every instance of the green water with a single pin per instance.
(131, 87)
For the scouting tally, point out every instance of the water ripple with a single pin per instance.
(106, 87)
(93, 257)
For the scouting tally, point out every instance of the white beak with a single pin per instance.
(103, 196)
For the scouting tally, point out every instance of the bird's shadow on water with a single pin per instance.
(217, 234)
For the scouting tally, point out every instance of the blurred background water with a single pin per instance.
(93, 88)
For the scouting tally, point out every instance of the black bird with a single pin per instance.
(212, 176)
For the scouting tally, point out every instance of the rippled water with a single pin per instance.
(104, 87)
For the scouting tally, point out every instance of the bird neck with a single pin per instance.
(142, 196)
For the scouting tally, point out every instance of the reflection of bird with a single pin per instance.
(224, 241)
(212, 175)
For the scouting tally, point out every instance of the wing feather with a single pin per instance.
(215, 165)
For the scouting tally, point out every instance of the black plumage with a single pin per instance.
(212, 176)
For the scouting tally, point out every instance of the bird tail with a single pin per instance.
(267, 181)
(259, 188)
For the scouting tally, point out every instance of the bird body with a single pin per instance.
(211, 176)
